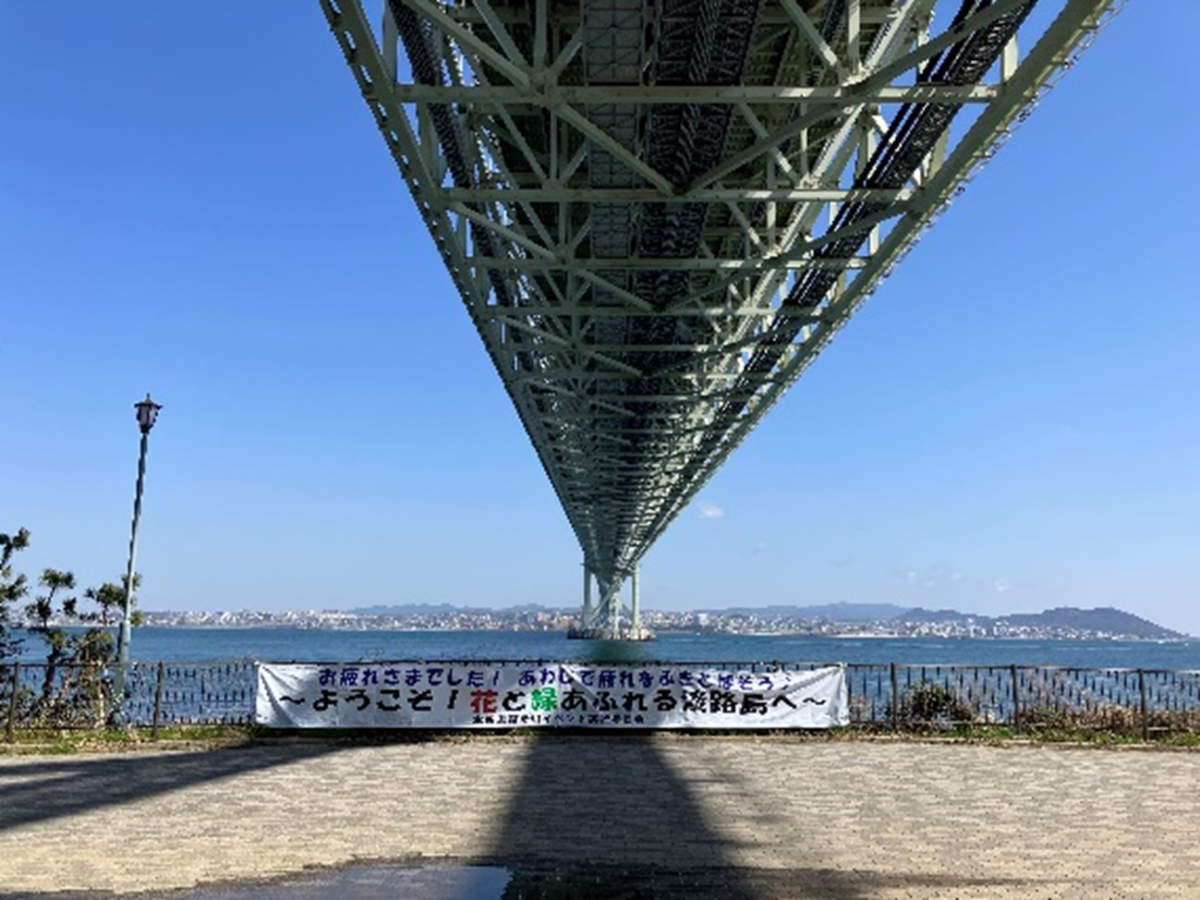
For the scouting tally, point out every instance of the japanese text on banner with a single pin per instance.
(563, 695)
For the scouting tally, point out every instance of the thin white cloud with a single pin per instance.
(934, 578)
(1001, 586)
(711, 511)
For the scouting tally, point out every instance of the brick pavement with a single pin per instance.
(688, 815)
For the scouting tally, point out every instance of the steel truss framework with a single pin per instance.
(657, 212)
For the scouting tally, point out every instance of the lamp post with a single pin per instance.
(147, 412)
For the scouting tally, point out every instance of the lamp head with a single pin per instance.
(147, 412)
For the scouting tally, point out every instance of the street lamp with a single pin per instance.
(147, 412)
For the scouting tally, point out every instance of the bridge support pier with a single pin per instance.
(602, 620)
(636, 606)
(587, 596)
(610, 610)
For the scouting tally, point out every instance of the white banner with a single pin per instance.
(545, 695)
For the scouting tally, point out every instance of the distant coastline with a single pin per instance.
(849, 621)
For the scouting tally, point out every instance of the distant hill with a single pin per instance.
(1104, 619)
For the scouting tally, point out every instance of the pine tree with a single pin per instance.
(13, 589)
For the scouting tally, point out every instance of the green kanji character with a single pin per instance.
(544, 698)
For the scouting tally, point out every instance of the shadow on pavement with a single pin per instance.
(609, 817)
(34, 792)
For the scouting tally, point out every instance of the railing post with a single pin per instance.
(12, 703)
(849, 673)
(157, 700)
(1142, 692)
(895, 701)
(1016, 700)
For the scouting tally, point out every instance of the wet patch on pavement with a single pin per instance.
(588, 881)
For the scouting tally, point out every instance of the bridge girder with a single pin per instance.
(658, 213)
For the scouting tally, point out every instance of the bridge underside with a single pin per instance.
(657, 212)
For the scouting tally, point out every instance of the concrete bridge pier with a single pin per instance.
(586, 618)
(635, 626)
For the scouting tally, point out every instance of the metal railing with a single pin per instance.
(35, 695)
(881, 695)
(1024, 697)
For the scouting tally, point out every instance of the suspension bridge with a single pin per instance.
(658, 212)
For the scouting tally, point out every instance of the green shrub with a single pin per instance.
(929, 705)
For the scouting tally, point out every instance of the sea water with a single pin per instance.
(283, 644)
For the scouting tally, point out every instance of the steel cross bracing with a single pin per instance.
(657, 213)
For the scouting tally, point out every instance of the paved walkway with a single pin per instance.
(679, 816)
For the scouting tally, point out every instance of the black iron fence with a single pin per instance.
(1024, 697)
(36, 695)
(881, 695)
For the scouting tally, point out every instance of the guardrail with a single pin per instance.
(882, 695)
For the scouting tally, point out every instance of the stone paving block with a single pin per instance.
(757, 817)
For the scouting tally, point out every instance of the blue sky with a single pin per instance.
(199, 205)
